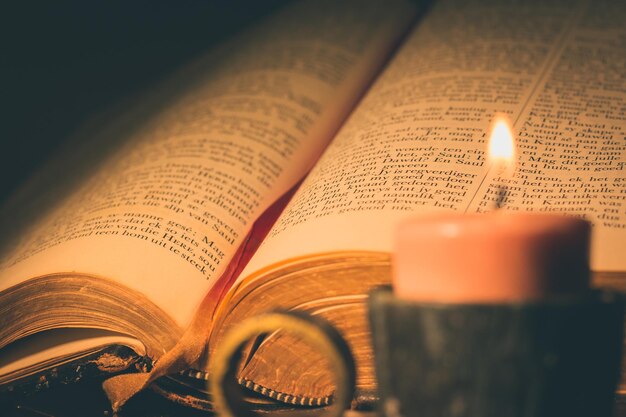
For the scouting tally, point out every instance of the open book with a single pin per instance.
(272, 171)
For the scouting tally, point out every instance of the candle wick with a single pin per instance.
(503, 193)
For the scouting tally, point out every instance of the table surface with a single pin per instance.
(87, 399)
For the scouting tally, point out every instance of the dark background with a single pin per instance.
(64, 61)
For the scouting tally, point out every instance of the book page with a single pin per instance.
(417, 141)
(164, 214)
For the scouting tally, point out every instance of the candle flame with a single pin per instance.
(501, 152)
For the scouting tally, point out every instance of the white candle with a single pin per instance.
(492, 257)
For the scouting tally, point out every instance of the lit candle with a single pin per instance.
(492, 257)
(501, 154)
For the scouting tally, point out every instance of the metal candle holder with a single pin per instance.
(557, 356)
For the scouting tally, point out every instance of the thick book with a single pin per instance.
(271, 172)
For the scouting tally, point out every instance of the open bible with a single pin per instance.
(272, 171)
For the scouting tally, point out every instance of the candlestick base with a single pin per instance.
(552, 357)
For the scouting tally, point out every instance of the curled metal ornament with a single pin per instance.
(227, 393)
